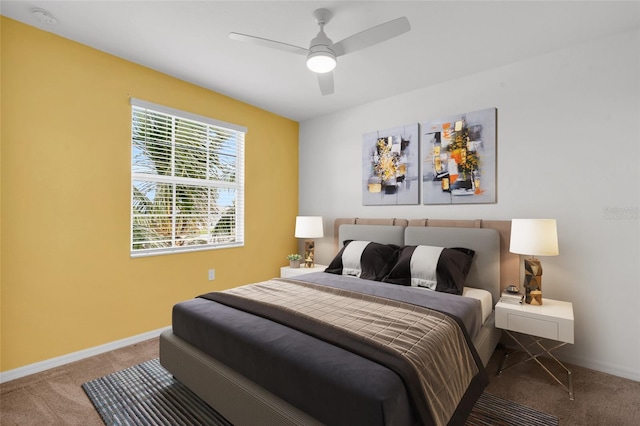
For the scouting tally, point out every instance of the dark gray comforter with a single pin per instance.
(329, 383)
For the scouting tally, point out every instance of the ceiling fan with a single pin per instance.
(322, 52)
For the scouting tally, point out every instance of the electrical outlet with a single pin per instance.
(212, 274)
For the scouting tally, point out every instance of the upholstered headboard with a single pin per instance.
(489, 239)
(485, 269)
(386, 234)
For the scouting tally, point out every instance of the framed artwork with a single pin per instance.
(459, 158)
(390, 162)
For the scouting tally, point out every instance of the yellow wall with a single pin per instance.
(67, 280)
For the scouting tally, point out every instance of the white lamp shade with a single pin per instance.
(309, 227)
(535, 237)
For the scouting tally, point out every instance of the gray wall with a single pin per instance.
(568, 148)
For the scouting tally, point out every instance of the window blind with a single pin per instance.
(187, 181)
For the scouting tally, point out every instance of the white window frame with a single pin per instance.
(237, 186)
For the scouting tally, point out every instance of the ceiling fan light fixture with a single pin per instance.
(321, 61)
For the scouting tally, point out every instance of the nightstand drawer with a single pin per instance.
(552, 320)
(532, 326)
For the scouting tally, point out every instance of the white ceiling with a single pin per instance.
(449, 39)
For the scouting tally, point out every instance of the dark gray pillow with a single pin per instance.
(364, 259)
(437, 268)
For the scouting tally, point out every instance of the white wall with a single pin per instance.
(568, 148)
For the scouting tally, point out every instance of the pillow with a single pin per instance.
(437, 268)
(364, 259)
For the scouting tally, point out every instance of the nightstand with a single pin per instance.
(287, 272)
(553, 320)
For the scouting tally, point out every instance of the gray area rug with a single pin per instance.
(147, 394)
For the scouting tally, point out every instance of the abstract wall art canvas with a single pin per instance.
(390, 162)
(459, 158)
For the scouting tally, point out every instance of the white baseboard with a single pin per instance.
(77, 356)
(613, 369)
(603, 367)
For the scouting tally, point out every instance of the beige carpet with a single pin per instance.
(600, 399)
(55, 397)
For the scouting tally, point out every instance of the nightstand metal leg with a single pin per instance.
(534, 357)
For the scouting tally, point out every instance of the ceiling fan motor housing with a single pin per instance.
(321, 58)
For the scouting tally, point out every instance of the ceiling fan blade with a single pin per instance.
(326, 83)
(371, 36)
(269, 43)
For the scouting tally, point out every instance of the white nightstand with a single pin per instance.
(287, 272)
(552, 320)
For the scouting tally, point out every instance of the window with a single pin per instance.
(187, 181)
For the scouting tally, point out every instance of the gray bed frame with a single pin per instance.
(243, 402)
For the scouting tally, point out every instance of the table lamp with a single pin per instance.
(534, 237)
(309, 227)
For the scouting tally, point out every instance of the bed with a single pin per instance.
(278, 386)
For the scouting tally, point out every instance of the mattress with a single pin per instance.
(325, 381)
(485, 298)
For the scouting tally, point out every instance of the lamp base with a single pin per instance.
(309, 246)
(536, 297)
(533, 281)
